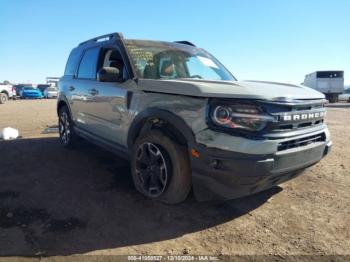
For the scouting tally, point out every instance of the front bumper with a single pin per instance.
(223, 174)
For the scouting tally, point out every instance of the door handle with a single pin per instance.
(93, 92)
(71, 88)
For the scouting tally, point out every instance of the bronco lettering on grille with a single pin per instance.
(303, 116)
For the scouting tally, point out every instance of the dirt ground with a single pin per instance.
(55, 201)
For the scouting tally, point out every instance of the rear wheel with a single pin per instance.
(160, 168)
(3, 98)
(67, 135)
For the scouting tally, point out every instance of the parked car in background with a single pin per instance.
(30, 92)
(50, 92)
(6, 92)
(345, 96)
(19, 87)
(18, 90)
(42, 87)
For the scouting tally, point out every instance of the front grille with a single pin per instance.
(301, 141)
(285, 127)
(299, 115)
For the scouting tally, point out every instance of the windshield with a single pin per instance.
(162, 60)
(28, 88)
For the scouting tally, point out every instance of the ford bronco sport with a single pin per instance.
(185, 122)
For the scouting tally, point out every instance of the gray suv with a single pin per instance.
(185, 122)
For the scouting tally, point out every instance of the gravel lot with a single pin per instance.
(54, 201)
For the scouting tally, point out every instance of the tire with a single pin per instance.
(169, 171)
(68, 138)
(333, 98)
(3, 98)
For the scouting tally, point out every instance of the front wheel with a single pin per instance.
(160, 168)
(67, 135)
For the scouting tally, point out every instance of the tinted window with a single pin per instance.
(72, 63)
(87, 68)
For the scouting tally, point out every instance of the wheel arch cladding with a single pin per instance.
(178, 126)
(5, 92)
(62, 103)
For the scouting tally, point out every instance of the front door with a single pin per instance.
(105, 106)
(108, 111)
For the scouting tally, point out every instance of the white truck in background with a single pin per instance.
(6, 92)
(330, 83)
(346, 95)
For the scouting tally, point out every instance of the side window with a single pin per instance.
(113, 58)
(87, 67)
(72, 63)
(166, 68)
(196, 69)
(170, 68)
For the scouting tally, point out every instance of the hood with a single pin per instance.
(230, 89)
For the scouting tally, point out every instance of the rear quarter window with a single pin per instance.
(72, 63)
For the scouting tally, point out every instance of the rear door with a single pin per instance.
(84, 90)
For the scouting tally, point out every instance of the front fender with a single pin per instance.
(149, 113)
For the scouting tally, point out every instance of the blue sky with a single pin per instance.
(279, 40)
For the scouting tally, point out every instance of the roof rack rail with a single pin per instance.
(102, 38)
(185, 43)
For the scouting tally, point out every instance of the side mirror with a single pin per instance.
(109, 74)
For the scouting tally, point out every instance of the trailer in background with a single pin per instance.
(330, 83)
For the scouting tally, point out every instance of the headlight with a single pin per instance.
(246, 117)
